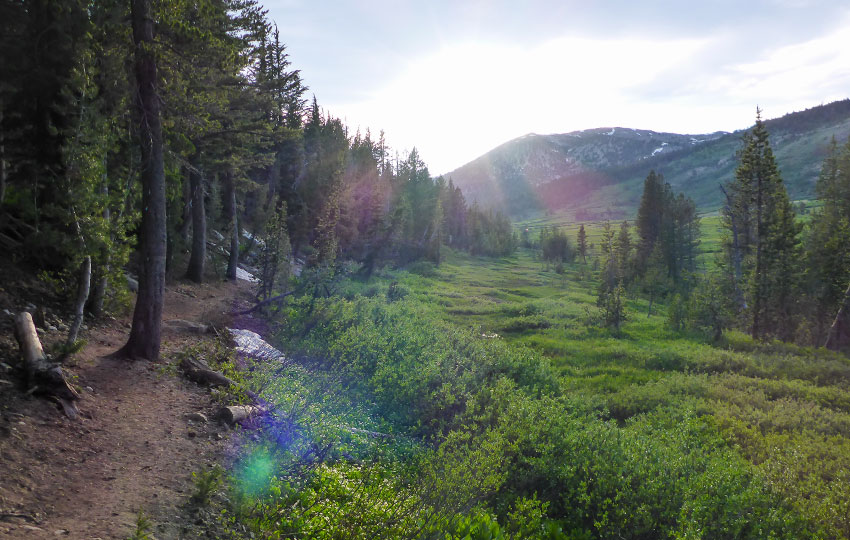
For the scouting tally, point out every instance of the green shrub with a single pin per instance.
(396, 291)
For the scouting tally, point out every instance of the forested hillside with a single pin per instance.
(597, 173)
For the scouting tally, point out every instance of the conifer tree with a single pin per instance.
(650, 216)
(581, 242)
(827, 246)
(623, 249)
(144, 340)
(761, 216)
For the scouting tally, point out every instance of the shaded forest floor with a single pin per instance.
(134, 449)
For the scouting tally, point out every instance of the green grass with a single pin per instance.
(496, 383)
(784, 408)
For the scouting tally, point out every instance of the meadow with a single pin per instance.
(484, 398)
(784, 408)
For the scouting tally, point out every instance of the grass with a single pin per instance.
(493, 380)
(785, 408)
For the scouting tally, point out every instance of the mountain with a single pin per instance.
(598, 173)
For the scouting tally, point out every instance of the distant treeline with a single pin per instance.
(775, 276)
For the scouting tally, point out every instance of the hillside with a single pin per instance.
(601, 170)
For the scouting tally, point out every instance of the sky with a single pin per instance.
(455, 78)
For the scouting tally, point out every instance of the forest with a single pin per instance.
(446, 373)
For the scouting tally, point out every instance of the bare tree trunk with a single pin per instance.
(186, 222)
(839, 333)
(145, 334)
(82, 296)
(41, 373)
(195, 272)
(232, 219)
(99, 293)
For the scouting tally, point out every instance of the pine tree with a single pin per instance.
(145, 333)
(581, 242)
(827, 245)
(760, 216)
(623, 251)
(653, 206)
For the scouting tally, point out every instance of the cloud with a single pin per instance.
(463, 100)
(457, 77)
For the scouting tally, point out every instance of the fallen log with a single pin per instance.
(201, 373)
(42, 374)
(189, 327)
(236, 413)
(258, 305)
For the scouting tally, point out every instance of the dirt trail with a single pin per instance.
(134, 449)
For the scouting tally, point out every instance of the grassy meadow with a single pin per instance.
(785, 409)
(510, 411)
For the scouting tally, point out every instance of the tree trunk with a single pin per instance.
(99, 293)
(145, 334)
(232, 219)
(186, 221)
(195, 272)
(2, 158)
(839, 333)
(41, 373)
(82, 296)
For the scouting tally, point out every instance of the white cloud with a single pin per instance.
(815, 70)
(464, 99)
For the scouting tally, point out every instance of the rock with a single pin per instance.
(89, 389)
(51, 328)
(61, 532)
(197, 417)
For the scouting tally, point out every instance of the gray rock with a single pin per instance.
(197, 417)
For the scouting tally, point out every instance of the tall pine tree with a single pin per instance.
(763, 237)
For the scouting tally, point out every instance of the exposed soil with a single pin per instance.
(134, 448)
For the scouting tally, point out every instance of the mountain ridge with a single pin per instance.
(597, 173)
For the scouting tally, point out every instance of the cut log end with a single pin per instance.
(238, 413)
